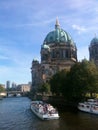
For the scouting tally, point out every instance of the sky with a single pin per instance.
(24, 25)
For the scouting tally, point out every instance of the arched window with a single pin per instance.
(67, 54)
(64, 53)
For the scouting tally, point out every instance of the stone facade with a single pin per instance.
(58, 52)
(93, 50)
(24, 88)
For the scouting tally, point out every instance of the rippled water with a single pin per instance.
(15, 114)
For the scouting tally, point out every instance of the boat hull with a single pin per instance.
(44, 116)
(88, 107)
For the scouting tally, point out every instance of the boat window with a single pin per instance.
(87, 106)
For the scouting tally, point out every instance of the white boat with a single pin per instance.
(44, 111)
(90, 106)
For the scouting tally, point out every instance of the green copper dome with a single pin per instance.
(58, 36)
(94, 41)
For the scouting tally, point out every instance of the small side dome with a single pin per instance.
(45, 47)
(35, 60)
(94, 41)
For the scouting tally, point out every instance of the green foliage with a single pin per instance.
(1, 88)
(75, 84)
(45, 88)
(92, 77)
(57, 82)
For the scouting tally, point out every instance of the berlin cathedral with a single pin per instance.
(58, 52)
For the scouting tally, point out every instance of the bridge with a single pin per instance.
(15, 93)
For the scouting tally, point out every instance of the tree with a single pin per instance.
(57, 82)
(92, 76)
(82, 79)
(45, 88)
(76, 83)
(1, 88)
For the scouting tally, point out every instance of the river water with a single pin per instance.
(15, 114)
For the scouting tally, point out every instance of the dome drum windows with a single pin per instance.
(73, 53)
(62, 54)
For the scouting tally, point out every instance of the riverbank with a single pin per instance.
(57, 101)
(62, 104)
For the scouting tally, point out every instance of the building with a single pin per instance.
(93, 50)
(14, 86)
(7, 85)
(24, 88)
(58, 52)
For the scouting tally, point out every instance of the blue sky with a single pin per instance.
(24, 25)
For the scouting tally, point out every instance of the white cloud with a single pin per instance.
(80, 29)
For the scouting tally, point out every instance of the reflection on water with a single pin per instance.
(15, 114)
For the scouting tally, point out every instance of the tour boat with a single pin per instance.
(44, 111)
(90, 106)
